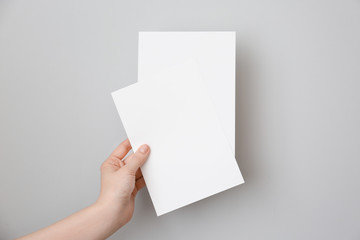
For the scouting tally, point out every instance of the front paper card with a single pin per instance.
(190, 156)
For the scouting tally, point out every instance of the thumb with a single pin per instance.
(138, 158)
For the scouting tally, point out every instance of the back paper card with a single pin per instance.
(215, 54)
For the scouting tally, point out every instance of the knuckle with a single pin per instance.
(105, 164)
(102, 166)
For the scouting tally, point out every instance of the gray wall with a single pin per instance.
(298, 114)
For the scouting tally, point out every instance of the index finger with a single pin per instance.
(121, 150)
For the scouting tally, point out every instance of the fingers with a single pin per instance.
(140, 183)
(121, 150)
(134, 162)
(138, 174)
(114, 162)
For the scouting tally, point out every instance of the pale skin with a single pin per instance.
(121, 179)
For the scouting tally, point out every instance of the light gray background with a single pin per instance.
(298, 114)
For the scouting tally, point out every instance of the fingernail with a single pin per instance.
(144, 148)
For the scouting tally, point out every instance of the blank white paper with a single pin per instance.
(215, 54)
(190, 156)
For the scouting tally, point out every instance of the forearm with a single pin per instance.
(97, 221)
(121, 179)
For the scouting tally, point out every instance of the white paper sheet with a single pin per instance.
(190, 156)
(215, 53)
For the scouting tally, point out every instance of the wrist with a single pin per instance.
(110, 202)
(110, 212)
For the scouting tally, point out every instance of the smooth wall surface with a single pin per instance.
(298, 114)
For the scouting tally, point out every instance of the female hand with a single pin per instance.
(121, 179)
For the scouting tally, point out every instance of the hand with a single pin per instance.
(121, 179)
